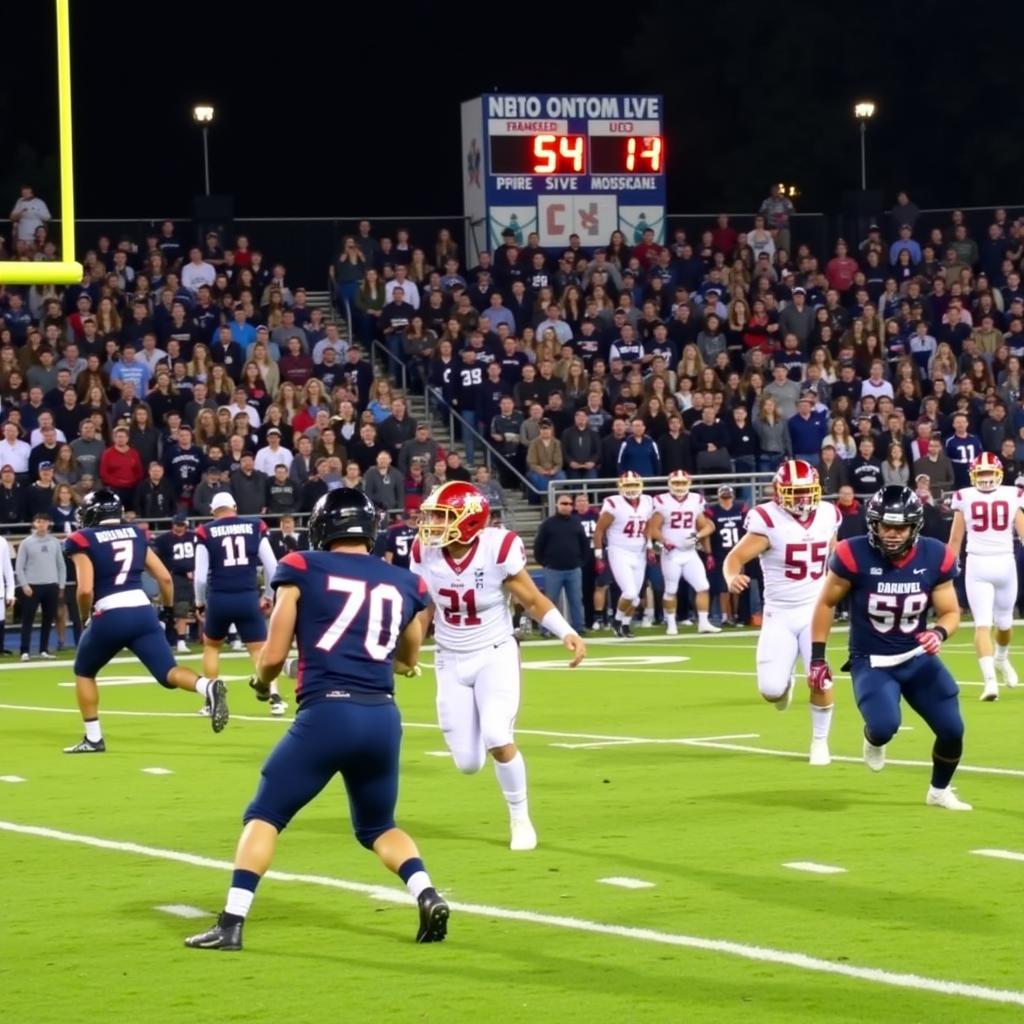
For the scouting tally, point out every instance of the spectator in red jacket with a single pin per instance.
(295, 366)
(121, 468)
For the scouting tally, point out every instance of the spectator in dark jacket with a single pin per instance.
(582, 449)
(562, 548)
(282, 492)
(610, 448)
(852, 522)
(397, 429)
(12, 499)
(831, 470)
(865, 470)
(249, 487)
(709, 439)
(997, 428)
(674, 447)
(155, 497)
(638, 452)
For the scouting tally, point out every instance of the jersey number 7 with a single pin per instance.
(379, 640)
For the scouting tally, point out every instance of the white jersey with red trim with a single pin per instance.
(679, 519)
(795, 563)
(988, 518)
(471, 606)
(629, 521)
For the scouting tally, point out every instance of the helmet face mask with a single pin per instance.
(679, 483)
(631, 485)
(986, 472)
(895, 517)
(454, 514)
(797, 488)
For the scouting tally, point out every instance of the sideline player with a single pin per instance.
(470, 570)
(792, 535)
(679, 524)
(892, 576)
(354, 620)
(177, 550)
(228, 551)
(988, 514)
(727, 516)
(109, 557)
(399, 541)
(624, 519)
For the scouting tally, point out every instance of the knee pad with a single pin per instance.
(469, 761)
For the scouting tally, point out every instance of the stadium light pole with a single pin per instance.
(202, 114)
(863, 112)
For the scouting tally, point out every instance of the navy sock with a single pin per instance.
(945, 758)
(409, 868)
(244, 880)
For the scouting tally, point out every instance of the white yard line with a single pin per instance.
(12, 778)
(156, 771)
(814, 869)
(1000, 854)
(741, 950)
(626, 883)
(182, 910)
(636, 742)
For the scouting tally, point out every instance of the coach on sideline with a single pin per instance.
(562, 548)
(41, 575)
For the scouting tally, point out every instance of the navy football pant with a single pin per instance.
(360, 742)
(241, 609)
(923, 682)
(109, 633)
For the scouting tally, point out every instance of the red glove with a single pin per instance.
(667, 546)
(599, 566)
(930, 641)
(709, 563)
(819, 676)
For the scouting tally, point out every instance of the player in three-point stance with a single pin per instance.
(624, 519)
(228, 551)
(678, 523)
(988, 514)
(793, 535)
(110, 557)
(893, 575)
(354, 620)
(471, 570)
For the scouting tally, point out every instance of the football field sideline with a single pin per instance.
(762, 954)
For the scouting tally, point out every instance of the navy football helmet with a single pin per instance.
(102, 506)
(894, 506)
(343, 514)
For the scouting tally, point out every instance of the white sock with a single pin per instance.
(239, 901)
(624, 616)
(93, 732)
(417, 883)
(702, 619)
(274, 690)
(821, 721)
(988, 669)
(512, 780)
(202, 686)
(1002, 653)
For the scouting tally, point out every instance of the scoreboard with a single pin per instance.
(562, 165)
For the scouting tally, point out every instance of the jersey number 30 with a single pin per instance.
(380, 640)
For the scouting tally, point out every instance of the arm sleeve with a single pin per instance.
(269, 562)
(949, 564)
(201, 573)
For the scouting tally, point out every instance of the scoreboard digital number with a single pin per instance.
(563, 165)
(576, 154)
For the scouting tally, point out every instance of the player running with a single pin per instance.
(228, 551)
(792, 535)
(892, 576)
(471, 570)
(988, 514)
(354, 620)
(624, 519)
(679, 524)
(109, 558)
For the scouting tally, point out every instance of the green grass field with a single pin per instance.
(656, 762)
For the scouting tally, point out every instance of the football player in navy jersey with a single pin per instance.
(399, 542)
(728, 515)
(177, 550)
(893, 575)
(354, 620)
(228, 551)
(110, 557)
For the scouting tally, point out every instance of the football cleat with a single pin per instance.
(278, 705)
(709, 627)
(46, 656)
(217, 702)
(874, 757)
(236, 645)
(524, 836)
(433, 917)
(87, 746)
(671, 627)
(990, 692)
(227, 937)
(623, 629)
(947, 799)
(182, 647)
(820, 756)
(1007, 671)
(26, 657)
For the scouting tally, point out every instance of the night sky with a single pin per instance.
(355, 109)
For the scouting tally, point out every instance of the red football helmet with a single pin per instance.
(453, 514)
(986, 472)
(797, 487)
(631, 484)
(679, 483)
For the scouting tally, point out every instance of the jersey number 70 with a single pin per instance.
(380, 640)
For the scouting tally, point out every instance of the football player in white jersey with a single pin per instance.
(624, 519)
(987, 514)
(793, 535)
(679, 525)
(470, 571)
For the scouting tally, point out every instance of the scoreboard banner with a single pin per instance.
(563, 165)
